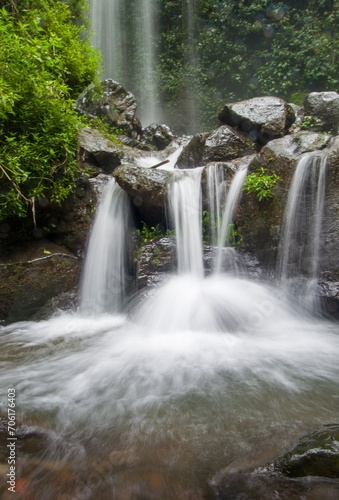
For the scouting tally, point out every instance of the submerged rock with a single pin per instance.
(262, 118)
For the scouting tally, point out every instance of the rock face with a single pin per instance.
(222, 144)
(259, 223)
(27, 286)
(147, 188)
(96, 150)
(324, 106)
(262, 118)
(113, 103)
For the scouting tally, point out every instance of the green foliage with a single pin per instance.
(245, 49)
(261, 184)
(310, 122)
(44, 65)
(147, 234)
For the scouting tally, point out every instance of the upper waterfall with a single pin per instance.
(126, 39)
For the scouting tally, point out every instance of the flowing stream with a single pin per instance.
(203, 374)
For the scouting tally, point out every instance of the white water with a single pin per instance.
(128, 50)
(300, 238)
(103, 282)
(184, 197)
(216, 195)
(232, 201)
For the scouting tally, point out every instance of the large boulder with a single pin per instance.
(112, 103)
(323, 107)
(262, 118)
(95, 149)
(31, 277)
(222, 144)
(147, 188)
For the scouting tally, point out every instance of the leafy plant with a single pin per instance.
(310, 122)
(45, 62)
(147, 234)
(261, 184)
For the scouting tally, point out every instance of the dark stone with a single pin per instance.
(27, 286)
(95, 149)
(220, 145)
(192, 154)
(147, 188)
(324, 106)
(156, 259)
(315, 455)
(159, 136)
(261, 118)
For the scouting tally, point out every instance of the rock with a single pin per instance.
(156, 259)
(28, 285)
(192, 153)
(148, 188)
(159, 136)
(262, 118)
(324, 106)
(221, 145)
(95, 149)
(112, 103)
(315, 455)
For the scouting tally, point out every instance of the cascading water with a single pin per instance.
(207, 374)
(298, 258)
(216, 194)
(124, 33)
(104, 277)
(231, 205)
(185, 209)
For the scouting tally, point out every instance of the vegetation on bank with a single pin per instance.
(45, 62)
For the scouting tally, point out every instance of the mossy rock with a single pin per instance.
(315, 455)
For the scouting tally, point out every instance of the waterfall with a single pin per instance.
(185, 209)
(124, 32)
(231, 205)
(216, 194)
(108, 18)
(298, 256)
(104, 276)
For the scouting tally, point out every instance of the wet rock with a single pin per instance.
(96, 150)
(159, 136)
(192, 154)
(221, 145)
(324, 107)
(27, 286)
(155, 260)
(261, 118)
(147, 188)
(112, 103)
(315, 455)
